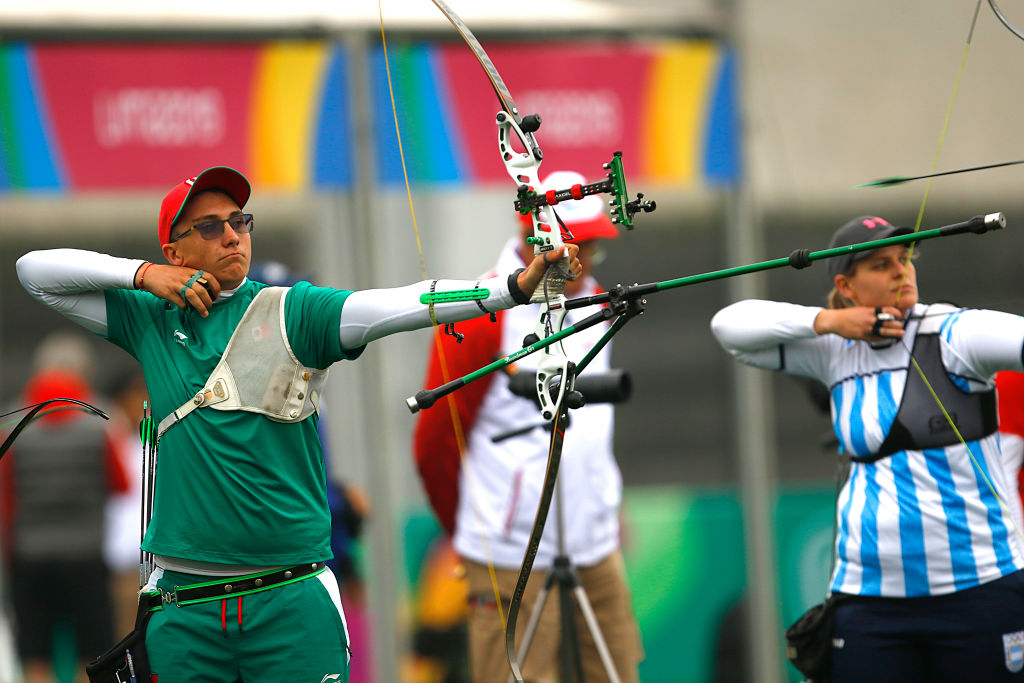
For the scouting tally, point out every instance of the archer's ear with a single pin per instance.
(171, 254)
(842, 283)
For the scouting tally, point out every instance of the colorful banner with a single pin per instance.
(80, 116)
(84, 117)
(669, 107)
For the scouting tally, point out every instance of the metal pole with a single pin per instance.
(755, 437)
(755, 449)
(383, 581)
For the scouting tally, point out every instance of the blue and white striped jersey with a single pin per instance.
(918, 522)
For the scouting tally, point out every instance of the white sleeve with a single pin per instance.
(374, 313)
(980, 343)
(71, 281)
(755, 331)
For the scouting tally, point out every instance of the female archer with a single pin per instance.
(928, 558)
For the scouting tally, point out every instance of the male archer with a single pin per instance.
(235, 371)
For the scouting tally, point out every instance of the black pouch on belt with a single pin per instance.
(809, 640)
(127, 661)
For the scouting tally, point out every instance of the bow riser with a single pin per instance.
(524, 169)
(554, 365)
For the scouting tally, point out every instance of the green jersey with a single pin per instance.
(232, 487)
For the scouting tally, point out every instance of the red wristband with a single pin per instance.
(142, 274)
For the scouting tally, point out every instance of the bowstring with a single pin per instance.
(457, 426)
(917, 226)
(956, 430)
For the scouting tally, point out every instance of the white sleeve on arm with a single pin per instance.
(375, 313)
(71, 281)
(753, 330)
(984, 342)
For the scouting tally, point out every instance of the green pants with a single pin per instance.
(294, 633)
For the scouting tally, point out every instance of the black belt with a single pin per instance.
(229, 588)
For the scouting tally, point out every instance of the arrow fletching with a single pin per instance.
(887, 182)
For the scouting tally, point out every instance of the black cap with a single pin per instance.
(857, 231)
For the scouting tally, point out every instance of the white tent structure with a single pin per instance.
(532, 16)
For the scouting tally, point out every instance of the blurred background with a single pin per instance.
(749, 122)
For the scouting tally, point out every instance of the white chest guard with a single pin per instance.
(258, 372)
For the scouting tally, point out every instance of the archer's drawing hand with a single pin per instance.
(167, 282)
(861, 323)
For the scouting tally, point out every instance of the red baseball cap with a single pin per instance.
(223, 178)
(585, 217)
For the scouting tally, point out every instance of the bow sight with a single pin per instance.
(623, 208)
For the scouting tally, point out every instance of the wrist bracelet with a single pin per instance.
(518, 295)
(142, 274)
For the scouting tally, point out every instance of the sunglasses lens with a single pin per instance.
(210, 230)
(241, 224)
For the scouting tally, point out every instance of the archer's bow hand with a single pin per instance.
(530, 278)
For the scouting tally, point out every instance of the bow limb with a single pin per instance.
(522, 157)
(36, 411)
(547, 491)
(500, 90)
(1004, 21)
(513, 128)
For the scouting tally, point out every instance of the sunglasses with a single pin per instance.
(212, 229)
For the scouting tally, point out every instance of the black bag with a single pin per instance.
(809, 640)
(127, 661)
